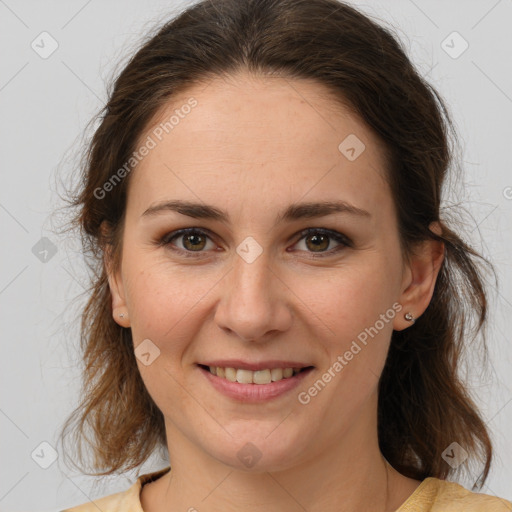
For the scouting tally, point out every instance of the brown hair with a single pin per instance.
(423, 405)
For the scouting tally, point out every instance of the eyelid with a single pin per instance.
(340, 238)
(165, 241)
(336, 235)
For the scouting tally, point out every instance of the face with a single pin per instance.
(259, 281)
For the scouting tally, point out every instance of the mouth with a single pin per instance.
(260, 377)
(254, 386)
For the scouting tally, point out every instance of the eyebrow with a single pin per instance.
(295, 211)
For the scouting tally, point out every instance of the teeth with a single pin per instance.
(276, 374)
(230, 373)
(258, 377)
(261, 377)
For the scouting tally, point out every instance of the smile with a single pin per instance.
(265, 376)
(253, 386)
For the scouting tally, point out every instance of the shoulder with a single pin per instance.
(122, 501)
(126, 501)
(435, 495)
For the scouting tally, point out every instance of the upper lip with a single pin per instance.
(261, 365)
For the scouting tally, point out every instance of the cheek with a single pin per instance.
(163, 298)
(357, 322)
(353, 309)
(347, 299)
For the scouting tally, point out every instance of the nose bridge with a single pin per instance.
(251, 263)
(252, 277)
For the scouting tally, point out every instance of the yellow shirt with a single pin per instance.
(432, 495)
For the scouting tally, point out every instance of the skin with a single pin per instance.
(252, 146)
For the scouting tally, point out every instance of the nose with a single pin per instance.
(254, 301)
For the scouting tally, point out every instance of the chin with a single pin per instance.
(261, 450)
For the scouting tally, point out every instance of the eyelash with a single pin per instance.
(338, 237)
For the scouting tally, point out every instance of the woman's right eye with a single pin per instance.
(193, 240)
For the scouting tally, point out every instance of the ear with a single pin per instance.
(419, 278)
(115, 283)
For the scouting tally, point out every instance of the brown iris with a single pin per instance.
(196, 242)
(319, 241)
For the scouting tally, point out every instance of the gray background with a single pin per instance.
(45, 105)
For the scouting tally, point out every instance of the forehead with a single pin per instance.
(249, 136)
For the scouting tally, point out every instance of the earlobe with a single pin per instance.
(119, 309)
(423, 270)
(115, 283)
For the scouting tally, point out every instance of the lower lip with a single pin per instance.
(254, 392)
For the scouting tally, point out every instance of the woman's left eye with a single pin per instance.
(318, 238)
(194, 240)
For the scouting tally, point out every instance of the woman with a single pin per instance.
(279, 303)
